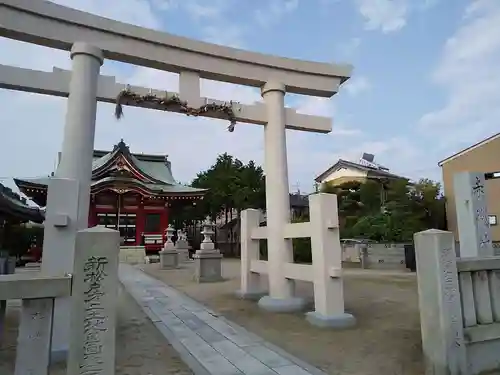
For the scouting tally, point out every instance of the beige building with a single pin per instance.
(480, 157)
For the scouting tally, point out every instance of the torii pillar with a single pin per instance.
(68, 195)
(279, 250)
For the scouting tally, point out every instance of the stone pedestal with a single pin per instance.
(169, 259)
(132, 254)
(208, 266)
(182, 248)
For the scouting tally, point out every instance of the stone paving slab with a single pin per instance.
(209, 344)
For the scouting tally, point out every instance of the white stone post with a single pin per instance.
(250, 281)
(279, 250)
(94, 301)
(68, 196)
(439, 301)
(472, 215)
(327, 264)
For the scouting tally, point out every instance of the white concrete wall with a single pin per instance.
(344, 172)
(376, 256)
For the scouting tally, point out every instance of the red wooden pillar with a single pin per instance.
(92, 213)
(164, 222)
(139, 222)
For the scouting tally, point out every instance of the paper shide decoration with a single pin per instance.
(172, 102)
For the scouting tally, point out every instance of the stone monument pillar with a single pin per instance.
(169, 258)
(472, 215)
(208, 259)
(182, 246)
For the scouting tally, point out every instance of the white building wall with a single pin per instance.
(344, 172)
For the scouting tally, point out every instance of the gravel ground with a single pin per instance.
(141, 348)
(386, 340)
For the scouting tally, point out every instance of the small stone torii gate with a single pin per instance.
(91, 39)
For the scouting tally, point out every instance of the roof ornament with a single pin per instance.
(172, 102)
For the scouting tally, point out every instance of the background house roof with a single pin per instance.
(349, 164)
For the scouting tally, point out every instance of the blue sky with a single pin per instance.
(424, 85)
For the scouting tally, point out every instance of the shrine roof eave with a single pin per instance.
(155, 169)
(20, 210)
(154, 189)
(22, 214)
(40, 184)
(36, 183)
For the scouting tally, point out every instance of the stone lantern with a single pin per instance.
(169, 258)
(207, 259)
(169, 234)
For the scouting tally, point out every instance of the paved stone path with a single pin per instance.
(207, 343)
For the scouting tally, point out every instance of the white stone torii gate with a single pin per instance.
(91, 39)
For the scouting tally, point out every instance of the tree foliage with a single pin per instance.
(389, 211)
(232, 185)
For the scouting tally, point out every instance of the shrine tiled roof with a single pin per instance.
(155, 168)
(12, 204)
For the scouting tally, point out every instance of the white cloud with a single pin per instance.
(346, 50)
(137, 12)
(228, 35)
(274, 11)
(390, 15)
(325, 107)
(357, 85)
(386, 15)
(211, 17)
(198, 10)
(468, 72)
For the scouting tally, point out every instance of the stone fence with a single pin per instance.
(376, 255)
(93, 288)
(325, 272)
(459, 307)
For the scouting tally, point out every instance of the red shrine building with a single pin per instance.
(132, 193)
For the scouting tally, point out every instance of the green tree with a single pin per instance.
(232, 186)
(389, 211)
(348, 197)
(428, 203)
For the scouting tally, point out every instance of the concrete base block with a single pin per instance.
(132, 254)
(279, 305)
(340, 321)
(253, 295)
(208, 267)
(169, 259)
(183, 255)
